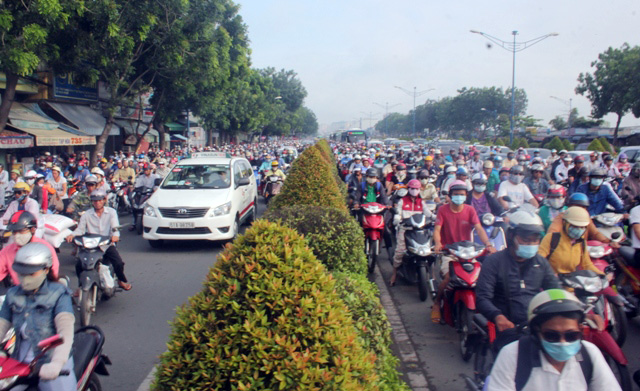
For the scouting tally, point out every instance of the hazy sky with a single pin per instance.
(352, 53)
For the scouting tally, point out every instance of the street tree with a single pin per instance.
(614, 86)
(28, 38)
(558, 123)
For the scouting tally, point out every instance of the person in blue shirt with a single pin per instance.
(600, 194)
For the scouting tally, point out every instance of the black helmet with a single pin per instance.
(372, 172)
(423, 174)
(598, 172)
(578, 199)
(410, 161)
(21, 220)
(517, 169)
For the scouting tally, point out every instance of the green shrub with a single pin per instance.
(555, 143)
(372, 325)
(606, 145)
(268, 318)
(310, 182)
(327, 154)
(335, 237)
(595, 146)
(567, 144)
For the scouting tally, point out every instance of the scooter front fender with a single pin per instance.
(89, 278)
(466, 296)
(605, 342)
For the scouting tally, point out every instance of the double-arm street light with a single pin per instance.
(370, 117)
(513, 47)
(569, 102)
(415, 94)
(386, 108)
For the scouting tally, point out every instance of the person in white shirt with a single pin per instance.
(562, 171)
(548, 358)
(552, 158)
(517, 191)
(4, 182)
(593, 162)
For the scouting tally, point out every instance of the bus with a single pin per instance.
(354, 136)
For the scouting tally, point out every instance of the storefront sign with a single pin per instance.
(64, 87)
(10, 142)
(63, 141)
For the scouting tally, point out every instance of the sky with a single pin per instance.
(351, 53)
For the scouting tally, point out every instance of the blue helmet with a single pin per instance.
(578, 199)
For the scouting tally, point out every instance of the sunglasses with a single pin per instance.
(518, 174)
(555, 336)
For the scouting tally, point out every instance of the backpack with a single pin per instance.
(555, 239)
(528, 358)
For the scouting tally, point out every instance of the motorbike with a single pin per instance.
(459, 303)
(373, 226)
(118, 198)
(627, 279)
(272, 187)
(139, 199)
(493, 227)
(589, 288)
(72, 186)
(97, 281)
(89, 361)
(418, 257)
(608, 224)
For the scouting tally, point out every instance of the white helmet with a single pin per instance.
(30, 174)
(479, 177)
(32, 257)
(525, 222)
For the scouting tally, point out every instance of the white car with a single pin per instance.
(205, 197)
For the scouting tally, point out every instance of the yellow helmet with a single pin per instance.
(21, 186)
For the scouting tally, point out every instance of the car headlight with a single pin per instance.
(149, 211)
(222, 210)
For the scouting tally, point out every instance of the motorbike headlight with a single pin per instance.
(5, 384)
(222, 210)
(488, 219)
(596, 252)
(150, 211)
(592, 284)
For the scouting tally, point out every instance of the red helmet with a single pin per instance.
(557, 190)
(146, 166)
(414, 184)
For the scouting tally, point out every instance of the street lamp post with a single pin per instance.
(415, 95)
(513, 47)
(370, 117)
(386, 113)
(570, 102)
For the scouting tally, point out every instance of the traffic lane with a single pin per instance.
(136, 323)
(437, 345)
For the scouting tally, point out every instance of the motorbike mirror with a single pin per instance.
(616, 235)
(51, 342)
(157, 181)
(243, 182)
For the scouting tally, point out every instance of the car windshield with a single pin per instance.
(198, 176)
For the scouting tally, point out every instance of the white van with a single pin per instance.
(205, 197)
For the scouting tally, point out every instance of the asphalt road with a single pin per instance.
(136, 323)
(437, 345)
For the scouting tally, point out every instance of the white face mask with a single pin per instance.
(556, 203)
(371, 181)
(414, 192)
(424, 182)
(22, 238)
(401, 175)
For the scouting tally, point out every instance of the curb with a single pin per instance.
(412, 367)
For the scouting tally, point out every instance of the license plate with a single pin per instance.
(181, 224)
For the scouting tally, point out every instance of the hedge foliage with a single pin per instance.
(268, 318)
(335, 237)
(310, 182)
(327, 153)
(372, 325)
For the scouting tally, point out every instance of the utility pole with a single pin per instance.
(386, 108)
(415, 94)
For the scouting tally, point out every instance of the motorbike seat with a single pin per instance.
(629, 255)
(84, 347)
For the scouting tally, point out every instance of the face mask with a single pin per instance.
(424, 182)
(401, 175)
(458, 199)
(451, 176)
(527, 251)
(21, 198)
(504, 178)
(31, 181)
(371, 181)
(414, 192)
(556, 203)
(575, 232)
(479, 188)
(596, 181)
(515, 179)
(561, 351)
(22, 238)
(31, 283)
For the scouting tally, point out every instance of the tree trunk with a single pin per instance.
(102, 140)
(615, 132)
(8, 95)
(159, 126)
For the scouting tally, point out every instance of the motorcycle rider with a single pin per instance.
(593, 162)
(493, 179)
(561, 172)
(510, 278)
(38, 308)
(405, 208)
(475, 164)
(39, 193)
(515, 189)
(447, 180)
(102, 181)
(162, 170)
(428, 191)
(371, 190)
(623, 164)
(22, 201)
(23, 226)
(611, 170)
(103, 221)
(510, 161)
(429, 166)
(570, 249)
(552, 158)
(600, 194)
(536, 183)
(631, 186)
(438, 159)
(454, 223)
(480, 198)
(82, 200)
(399, 177)
(275, 170)
(553, 206)
(555, 318)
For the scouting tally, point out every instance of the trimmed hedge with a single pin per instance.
(268, 318)
(372, 325)
(327, 153)
(335, 237)
(310, 182)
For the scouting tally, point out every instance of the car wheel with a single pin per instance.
(156, 243)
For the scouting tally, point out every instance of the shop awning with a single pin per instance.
(84, 118)
(21, 116)
(130, 127)
(13, 140)
(36, 109)
(55, 137)
(175, 127)
(179, 137)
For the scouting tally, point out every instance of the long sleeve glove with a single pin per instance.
(64, 322)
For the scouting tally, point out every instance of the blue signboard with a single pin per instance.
(63, 87)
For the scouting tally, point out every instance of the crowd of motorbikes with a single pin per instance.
(614, 295)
